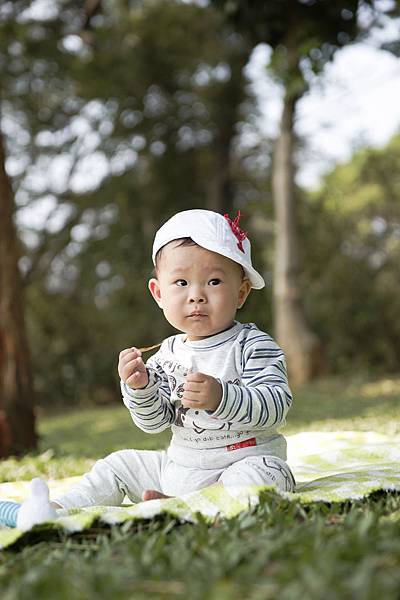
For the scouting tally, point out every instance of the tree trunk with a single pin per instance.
(226, 116)
(17, 420)
(300, 344)
(220, 198)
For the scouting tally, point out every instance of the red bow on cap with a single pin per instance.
(237, 232)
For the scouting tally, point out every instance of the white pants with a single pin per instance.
(130, 472)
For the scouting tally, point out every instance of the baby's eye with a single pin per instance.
(181, 282)
(215, 281)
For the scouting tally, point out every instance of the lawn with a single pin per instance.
(279, 550)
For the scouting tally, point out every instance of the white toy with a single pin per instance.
(37, 508)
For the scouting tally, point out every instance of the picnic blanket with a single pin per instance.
(328, 466)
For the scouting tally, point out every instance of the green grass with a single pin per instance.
(336, 404)
(279, 550)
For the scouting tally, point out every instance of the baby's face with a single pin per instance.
(198, 290)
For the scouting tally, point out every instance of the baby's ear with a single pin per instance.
(244, 291)
(155, 290)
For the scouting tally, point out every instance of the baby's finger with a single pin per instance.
(194, 405)
(134, 353)
(129, 354)
(127, 358)
(133, 365)
(195, 377)
(192, 386)
(190, 397)
(127, 369)
(124, 353)
(134, 379)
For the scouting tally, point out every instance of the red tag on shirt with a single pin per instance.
(245, 444)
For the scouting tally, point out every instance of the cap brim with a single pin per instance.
(257, 282)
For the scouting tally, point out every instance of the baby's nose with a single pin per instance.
(197, 297)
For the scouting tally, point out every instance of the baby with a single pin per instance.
(220, 385)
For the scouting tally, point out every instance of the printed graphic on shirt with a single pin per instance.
(197, 420)
(181, 416)
(210, 437)
(176, 374)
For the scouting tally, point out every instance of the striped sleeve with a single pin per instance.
(150, 407)
(264, 397)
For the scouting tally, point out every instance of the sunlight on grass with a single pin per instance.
(353, 404)
(96, 432)
(70, 443)
(382, 388)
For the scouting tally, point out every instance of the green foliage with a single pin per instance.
(160, 110)
(271, 22)
(169, 115)
(304, 35)
(351, 256)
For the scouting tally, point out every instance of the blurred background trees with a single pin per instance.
(351, 234)
(303, 36)
(117, 118)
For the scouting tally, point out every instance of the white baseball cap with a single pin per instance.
(214, 232)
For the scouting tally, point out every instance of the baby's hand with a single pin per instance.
(201, 391)
(131, 368)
